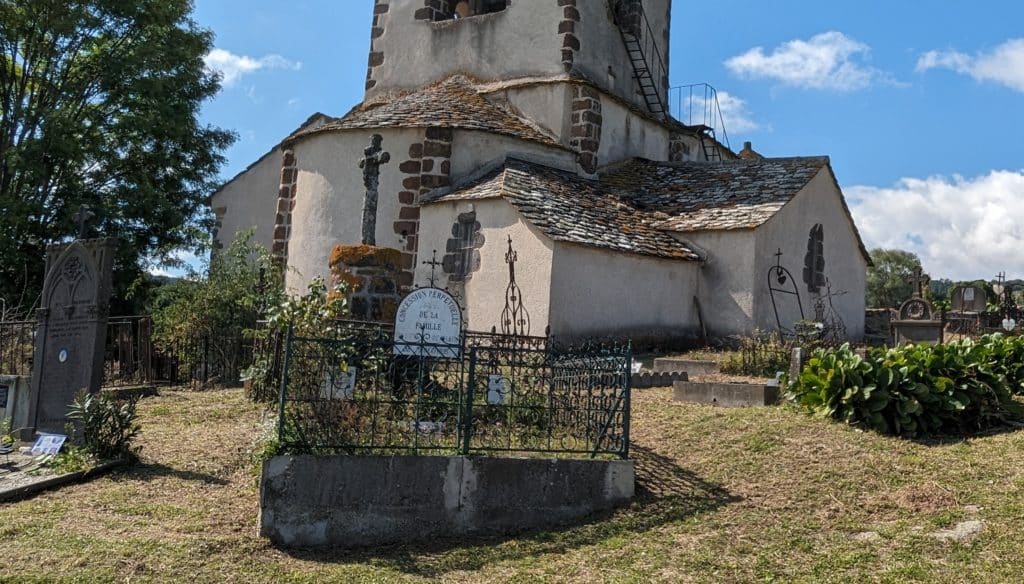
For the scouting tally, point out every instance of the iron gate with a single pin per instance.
(360, 392)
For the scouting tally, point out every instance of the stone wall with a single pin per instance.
(428, 167)
(567, 30)
(285, 206)
(878, 326)
(376, 58)
(585, 136)
(359, 501)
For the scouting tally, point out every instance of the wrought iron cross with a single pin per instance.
(515, 319)
(918, 279)
(373, 157)
(433, 263)
(82, 217)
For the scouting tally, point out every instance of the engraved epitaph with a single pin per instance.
(72, 329)
(373, 157)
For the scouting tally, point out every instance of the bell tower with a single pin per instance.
(621, 46)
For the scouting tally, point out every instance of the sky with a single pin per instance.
(919, 105)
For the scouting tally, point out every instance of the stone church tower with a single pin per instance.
(538, 120)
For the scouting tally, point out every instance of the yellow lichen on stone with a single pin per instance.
(365, 255)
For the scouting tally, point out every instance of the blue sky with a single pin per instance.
(921, 109)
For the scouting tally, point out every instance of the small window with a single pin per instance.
(456, 9)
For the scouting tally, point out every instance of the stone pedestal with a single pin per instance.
(72, 329)
(928, 332)
(371, 275)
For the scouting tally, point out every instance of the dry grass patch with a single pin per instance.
(724, 495)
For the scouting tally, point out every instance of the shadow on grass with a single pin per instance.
(149, 471)
(665, 493)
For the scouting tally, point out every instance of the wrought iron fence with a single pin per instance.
(128, 354)
(17, 344)
(360, 392)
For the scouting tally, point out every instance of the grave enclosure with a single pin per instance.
(385, 417)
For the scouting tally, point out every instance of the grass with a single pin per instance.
(724, 495)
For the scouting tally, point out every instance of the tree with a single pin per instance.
(100, 103)
(238, 286)
(887, 284)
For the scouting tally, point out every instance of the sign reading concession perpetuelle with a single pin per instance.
(428, 323)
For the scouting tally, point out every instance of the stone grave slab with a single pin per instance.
(72, 329)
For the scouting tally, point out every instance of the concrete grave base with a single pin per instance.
(690, 366)
(726, 394)
(355, 501)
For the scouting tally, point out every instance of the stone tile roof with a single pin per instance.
(634, 207)
(452, 103)
(699, 196)
(567, 207)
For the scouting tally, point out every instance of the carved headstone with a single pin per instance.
(72, 329)
(969, 299)
(917, 322)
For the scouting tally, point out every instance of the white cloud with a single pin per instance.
(1004, 64)
(830, 60)
(734, 111)
(233, 67)
(962, 228)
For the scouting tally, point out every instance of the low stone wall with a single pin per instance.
(356, 501)
(726, 394)
(690, 366)
(878, 326)
(649, 379)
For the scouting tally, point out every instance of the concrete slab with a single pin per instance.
(726, 394)
(690, 366)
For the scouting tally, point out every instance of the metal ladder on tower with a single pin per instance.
(648, 67)
(709, 143)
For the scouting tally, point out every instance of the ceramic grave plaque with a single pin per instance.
(428, 324)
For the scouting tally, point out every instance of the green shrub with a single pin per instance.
(917, 390)
(106, 425)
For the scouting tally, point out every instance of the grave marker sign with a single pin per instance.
(428, 323)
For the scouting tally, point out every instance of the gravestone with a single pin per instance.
(917, 322)
(72, 329)
(969, 299)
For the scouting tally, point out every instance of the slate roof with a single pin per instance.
(634, 207)
(569, 208)
(451, 103)
(698, 196)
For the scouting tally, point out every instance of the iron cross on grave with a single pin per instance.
(918, 280)
(373, 157)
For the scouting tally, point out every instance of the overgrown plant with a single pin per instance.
(211, 312)
(315, 314)
(106, 426)
(917, 390)
(761, 355)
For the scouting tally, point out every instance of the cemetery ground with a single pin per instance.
(724, 495)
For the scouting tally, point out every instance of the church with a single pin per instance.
(538, 132)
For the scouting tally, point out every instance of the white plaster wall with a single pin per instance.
(845, 266)
(626, 135)
(547, 105)
(485, 291)
(726, 280)
(520, 41)
(599, 292)
(251, 201)
(602, 48)
(329, 197)
(472, 149)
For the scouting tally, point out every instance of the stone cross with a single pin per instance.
(82, 217)
(373, 158)
(918, 280)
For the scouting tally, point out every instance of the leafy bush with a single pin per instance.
(917, 390)
(315, 315)
(106, 425)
